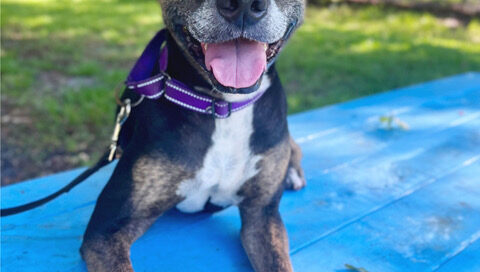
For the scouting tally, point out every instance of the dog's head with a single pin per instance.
(232, 42)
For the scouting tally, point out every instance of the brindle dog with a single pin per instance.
(176, 157)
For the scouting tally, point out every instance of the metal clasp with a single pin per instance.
(122, 116)
(120, 103)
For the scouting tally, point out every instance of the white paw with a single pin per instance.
(294, 180)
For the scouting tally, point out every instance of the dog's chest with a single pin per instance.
(227, 165)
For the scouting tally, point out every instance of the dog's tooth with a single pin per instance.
(265, 46)
(206, 46)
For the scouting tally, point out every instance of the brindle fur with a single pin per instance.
(164, 145)
(263, 233)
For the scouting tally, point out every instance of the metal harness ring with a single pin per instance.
(121, 103)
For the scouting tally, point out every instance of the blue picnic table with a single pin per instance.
(393, 185)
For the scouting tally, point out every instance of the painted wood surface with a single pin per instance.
(379, 197)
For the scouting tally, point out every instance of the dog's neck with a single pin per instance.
(180, 68)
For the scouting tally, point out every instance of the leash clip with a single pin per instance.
(122, 116)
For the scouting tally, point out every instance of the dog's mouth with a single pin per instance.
(237, 63)
(234, 66)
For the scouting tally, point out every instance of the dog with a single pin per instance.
(174, 157)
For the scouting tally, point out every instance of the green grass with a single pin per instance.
(342, 53)
(62, 59)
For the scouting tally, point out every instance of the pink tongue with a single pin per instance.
(238, 63)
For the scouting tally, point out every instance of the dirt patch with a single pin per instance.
(18, 166)
(56, 82)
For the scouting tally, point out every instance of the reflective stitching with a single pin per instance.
(157, 95)
(221, 106)
(188, 93)
(248, 104)
(150, 82)
(184, 105)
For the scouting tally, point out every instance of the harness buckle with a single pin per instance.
(212, 110)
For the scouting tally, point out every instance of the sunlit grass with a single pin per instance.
(348, 53)
(61, 60)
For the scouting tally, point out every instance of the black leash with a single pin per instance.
(107, 158)
(87, 173)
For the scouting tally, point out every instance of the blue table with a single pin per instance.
(403, 196)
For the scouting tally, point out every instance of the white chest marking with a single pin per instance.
(227, 165)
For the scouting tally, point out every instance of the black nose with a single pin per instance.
(243, 12)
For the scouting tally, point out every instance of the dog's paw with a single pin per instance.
(295, 179)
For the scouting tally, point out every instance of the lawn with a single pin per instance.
(62, 59)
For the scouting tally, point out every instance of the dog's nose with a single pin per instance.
(243, 12)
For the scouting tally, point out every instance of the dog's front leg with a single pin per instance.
(139, 191)
(264, 238)
(263, 234)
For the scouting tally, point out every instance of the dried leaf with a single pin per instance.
(356, 269)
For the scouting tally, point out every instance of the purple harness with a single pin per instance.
(154, 87)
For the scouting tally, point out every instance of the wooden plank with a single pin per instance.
(323, 153)
(347, 194)
(344, 145)
(389, 172)
(466, 260)
(417, 233)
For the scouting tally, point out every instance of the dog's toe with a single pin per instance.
(295, 181)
